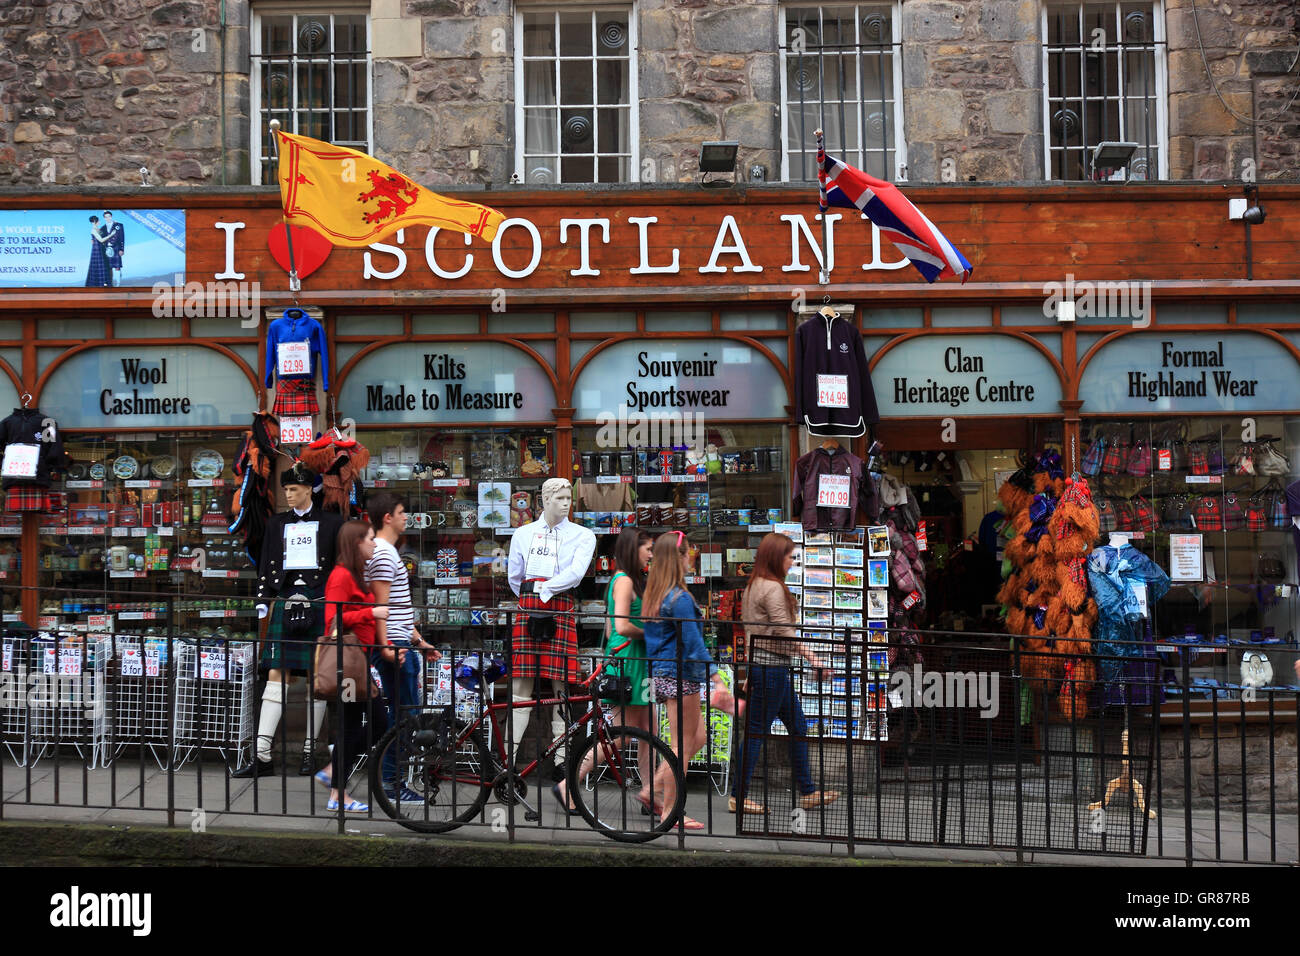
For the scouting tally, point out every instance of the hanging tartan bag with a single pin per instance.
(1106, 514)
(1144, 516)
(1116, 456)
(1234, 515)
(1095, 455)
(1197, 462)
(1277, 513)
(1243, 462)
(1139, 459)
(1209, 514)
(1257, 506)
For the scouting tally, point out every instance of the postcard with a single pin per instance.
(818, 619)
(816, 600)
(848, 557)
(850, 537)
(848, 600)
(818, 577)
(848, 620)
(849, 578)
(818, 557)
(878, 573)
(877, 603)
(878, 541)
(818, 537)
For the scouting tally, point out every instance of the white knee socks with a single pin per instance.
(316, 725)
(521, 689)
(272, 708)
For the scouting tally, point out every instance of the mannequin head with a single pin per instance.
(557, 498)
(298, 497)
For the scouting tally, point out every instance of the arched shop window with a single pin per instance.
(151, 432)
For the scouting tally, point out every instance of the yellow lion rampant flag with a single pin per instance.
(353, 199)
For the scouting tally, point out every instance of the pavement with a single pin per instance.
(898, 822)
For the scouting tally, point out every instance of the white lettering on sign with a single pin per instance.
(300, 546)
(293, 358)
(20, 461)
(296, 430)
(832, 391)
(832, 491)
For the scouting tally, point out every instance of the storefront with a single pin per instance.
(640, 343)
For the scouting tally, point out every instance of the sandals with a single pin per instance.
(818, 798)
(323, 778)
(573, 812)
(648, 809)
(750, 806)
(687, 823)
(352, 806)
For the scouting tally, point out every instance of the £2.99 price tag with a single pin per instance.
(296, 431)
(832, 491)
(832, 391)
(20, 461)
(292, 358)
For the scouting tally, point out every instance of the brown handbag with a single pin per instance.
(356, 666)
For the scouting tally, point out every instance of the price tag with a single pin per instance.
(47, 622)
(152, 662)
(20, 461)
(131, 664)
(1140, 592)
(296, 430)
(293, 358)
(543, 552)
(119, 532)
(300, 546)
(70, 661)
(832, 391)
(7, 658)
(911, 599)
(922, 539)
(832, 491)
(1164, 460)
(49, 664)
(139, 532)
(212, 665)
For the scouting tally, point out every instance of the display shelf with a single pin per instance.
(206, 483)
(83, 485)
(222, 573)
(147, 483)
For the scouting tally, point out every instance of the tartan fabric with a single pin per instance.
(1209, 514)
(1123, 514)
(1197, 462)
(1277, 515)
(1243, 463)
(1092, 460)
(31, 498)
(297, 655)
(1116, 457)
(1256, 515)
(295, 397)
(556, 659)
(1106, 516)
(1076, 568)
(1234, 516)
(1144, 516)
(1139, 459)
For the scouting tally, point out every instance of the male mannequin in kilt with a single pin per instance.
(548, 558)
(291, 568)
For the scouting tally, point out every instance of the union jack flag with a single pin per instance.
(906, 226)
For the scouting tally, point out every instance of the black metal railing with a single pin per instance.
(966, 741)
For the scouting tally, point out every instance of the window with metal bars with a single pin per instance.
(575, 103)
(1104, 81)
(841, 72)
(311, 71)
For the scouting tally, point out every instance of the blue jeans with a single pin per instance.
(771, 695)
(401, 690)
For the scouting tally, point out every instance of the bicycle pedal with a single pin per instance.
(532, 816)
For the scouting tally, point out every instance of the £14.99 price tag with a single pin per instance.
(296, 431)
(832, 391)
(832, 491)
(293, 358)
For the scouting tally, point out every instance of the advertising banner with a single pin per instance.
(90, 248)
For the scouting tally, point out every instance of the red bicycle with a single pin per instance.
(444, 760)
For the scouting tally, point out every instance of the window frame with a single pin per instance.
(633, 92)
(855, 157)
(257, 135)
(1160, 55)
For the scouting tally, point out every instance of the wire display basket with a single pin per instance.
(214, 700)
(55, 694)
(140, 678)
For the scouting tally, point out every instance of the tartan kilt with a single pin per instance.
(30, 498)
(295, 397)
(298, 654)
(556, 659)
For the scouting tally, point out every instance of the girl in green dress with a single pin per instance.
(623, 626)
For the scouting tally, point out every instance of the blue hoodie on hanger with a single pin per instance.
(302, 328)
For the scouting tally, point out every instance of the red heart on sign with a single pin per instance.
(310, 249)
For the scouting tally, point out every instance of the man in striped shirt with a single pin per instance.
(391, 585)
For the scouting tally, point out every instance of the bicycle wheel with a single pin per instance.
(607, 798)
(436, 790)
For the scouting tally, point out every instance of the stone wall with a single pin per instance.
(1228, 745)
(1245, 42)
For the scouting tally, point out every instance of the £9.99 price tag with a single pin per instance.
(832, 391)
(293, 358)
(20, 461)
(832, 491)
(296, 431)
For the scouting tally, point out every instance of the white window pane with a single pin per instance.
(539, 83)
(575, 34)
(539, 34)
(542, 169)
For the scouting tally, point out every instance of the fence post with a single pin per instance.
(1187, 754)
(171, 708)
(1017, 682)
(339, 724)
(850, 737)
(682, 759)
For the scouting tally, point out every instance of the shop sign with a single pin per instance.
(91, 248)
(148, 387)
(718, 379)
(451, 382)
(945, 375)
(1187, 372)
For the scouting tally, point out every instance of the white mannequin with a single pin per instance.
(1117, 539)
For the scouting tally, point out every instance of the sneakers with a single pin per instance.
(404, 795)
(352, 806)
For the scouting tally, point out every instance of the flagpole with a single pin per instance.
(824, 276)
(295, 284)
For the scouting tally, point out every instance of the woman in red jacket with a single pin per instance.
(346, 587)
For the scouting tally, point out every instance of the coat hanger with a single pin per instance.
(27, 399)
(295, 313)
(830, 443)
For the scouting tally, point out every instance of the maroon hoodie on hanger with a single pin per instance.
(832, 346)
(835, 461)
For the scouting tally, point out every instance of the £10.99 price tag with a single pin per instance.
(832, 491)
(293, 358)
(832, 391)
(296, 430)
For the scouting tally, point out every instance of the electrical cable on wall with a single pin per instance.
(1250, 121)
